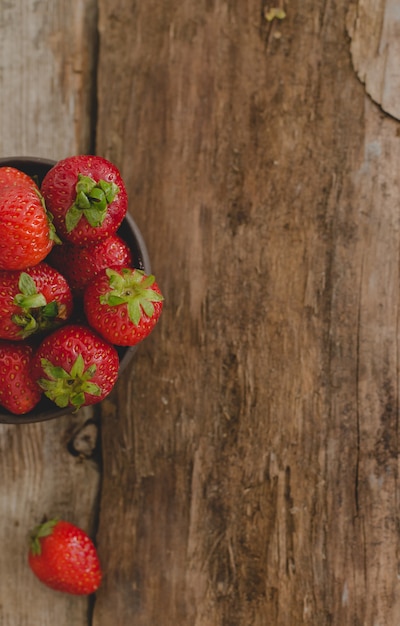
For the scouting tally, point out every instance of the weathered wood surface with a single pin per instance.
(374, 28)
(250, 455)
(46, 94)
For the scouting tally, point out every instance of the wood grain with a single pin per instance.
(374, 29)
(250, 464)
(47, 82)
(41, 477)
(48, 54)
(249, 472)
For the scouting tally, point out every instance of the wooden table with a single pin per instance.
(244, 472)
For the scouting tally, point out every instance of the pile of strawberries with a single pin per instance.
(69, 293)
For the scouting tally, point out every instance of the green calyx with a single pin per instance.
(133, 288)
(92, 200)
(68, 388)
(50, 220)
(36, 313)
(39, 532)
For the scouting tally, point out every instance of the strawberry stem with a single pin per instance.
(39, 532)
(68, 388)
(36, 313)
(52, 229)
(92, 200)
(133, 288)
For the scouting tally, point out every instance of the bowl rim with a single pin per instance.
(29, 418)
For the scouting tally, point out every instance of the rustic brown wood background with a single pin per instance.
(245, 470)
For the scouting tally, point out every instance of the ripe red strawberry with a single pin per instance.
(18, 391)
(86, 196)
(63, 557)
(27, 234)
(81, 263)
(123, 305)
(12, 177)
(32, 301)
(75, 367)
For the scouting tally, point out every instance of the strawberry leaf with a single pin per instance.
(69, 388)
(134, 311)
(53, 233)
(72, 218)
(112, 299)
(110, 190)
(131, 287)
(30, 302)
(147, 307)
(39, 532)
(78, 367)
(28, 298)
(92, 200)
(83, 188)
(51, 310)
(91, 388)
(50, 219)
(26, 284)
(53, 371)
(95, 215)
(28, 324)
(90, 372)
(77, 399)
(82, 201)
(36, 313)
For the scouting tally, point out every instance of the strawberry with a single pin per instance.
(123, 305)
(27, 234)
(12, 177)
(18, 391)
(63, 557)
(75, 367)
(31, 301)
(86, 196)
(81, 263)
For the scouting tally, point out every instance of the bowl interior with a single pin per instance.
(37, 168)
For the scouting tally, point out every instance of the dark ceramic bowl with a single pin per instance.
(37, 168)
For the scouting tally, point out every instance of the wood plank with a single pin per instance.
(375, 50)
(251, 455)
(46, 91)
(40, 477)
(47, 79)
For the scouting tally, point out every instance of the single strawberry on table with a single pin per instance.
(63, 557)
(86, 196)
(27, 232)
(123, 305)
(19, 393)
(80, 264)
(75, 367)
(33, 301)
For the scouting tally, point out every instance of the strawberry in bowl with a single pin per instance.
(86, 196)
(33, 301)
(19, 393)
(80, 264)
(123, 305)
(118, 244)
(74, 367)
(27, 232)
